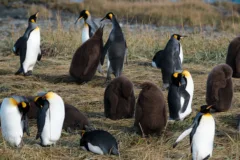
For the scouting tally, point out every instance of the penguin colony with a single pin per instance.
(53, 115)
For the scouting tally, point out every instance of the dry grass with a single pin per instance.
(201, 51)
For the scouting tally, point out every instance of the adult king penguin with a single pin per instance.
(220, 87)
(28, 47)
(202, 133)
(100, 142)
(180, 95)
(14, 120)
(156, 61)
(115, 48)
(170, 60)
(50, 117)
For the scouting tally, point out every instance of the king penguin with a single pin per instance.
(202, 133)
(100, 142)
(115, 48)
(170, 59)
(50, 117)
(28, 47)
(180, 95)
(89, 28)
(14, 121)
(156, 61)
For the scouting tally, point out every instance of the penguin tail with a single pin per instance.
(114, 151)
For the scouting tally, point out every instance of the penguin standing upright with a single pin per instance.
(202, 133)
(150, 115)
(100, 142)
(119, 99)
(180, 95)
(220, 87)
(156, 61)
(115, 48)
(50, 118)
(89, 28)
(86, 59)
(28, 47)
(14, 120)
(170, 59)
(233, 57)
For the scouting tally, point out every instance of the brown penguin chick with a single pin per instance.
(150, 116)
(86, 59)
(74, 119)
(220, 88)
(233, 57)
(119, 99)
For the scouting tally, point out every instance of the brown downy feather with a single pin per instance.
(86, 58)
(119, 99)
(150, 110)
(233, 57)
(220, 88)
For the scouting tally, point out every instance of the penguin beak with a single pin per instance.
(103, 19)
(36, 14)
(182, 37)
(78, 19)
(209, 107)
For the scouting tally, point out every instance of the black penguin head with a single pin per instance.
(205, 108)
(178, 79)
(39, 100)
(108, 16)
(178, 37)
(33, 18)
(21, 102)
(24, 107)
(83, 14)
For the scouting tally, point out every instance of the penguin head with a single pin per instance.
(178, 79)
(23, 106)
(108, 16)
(205, 108)
(177, 36)
(33, 18)
(83, 14)
(39, 100)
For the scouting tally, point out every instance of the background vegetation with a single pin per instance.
(209, 28)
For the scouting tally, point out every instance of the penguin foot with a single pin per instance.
(29, 73)
(18, 72)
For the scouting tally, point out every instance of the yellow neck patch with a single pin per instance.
(13, 102)
(49, 95)
(85, 24)
(110, 15)
(207, 115)
(37, 28)
(175, 75)
(87, 12)
(186, 73)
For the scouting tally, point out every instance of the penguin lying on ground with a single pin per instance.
(233, 57)
(86, 59)
(169, 60)
(50, 117)
(28, 47)
(14, 120)
(115, 48)
(150, 115)
(100, 142)
(119, 99)
(90, 27)
(220, 88)
(202, 133)
(180, 95)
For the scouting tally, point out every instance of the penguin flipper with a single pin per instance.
(186, 96)
(182, 136)
(177, 60)
(39, 57)
(17, 46)
(195, 125)
(25, 124)
(41, 118)
(105, 50)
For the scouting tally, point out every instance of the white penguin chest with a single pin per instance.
(181, 53)
(202, 142)
(85, 34)
(33, 45)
